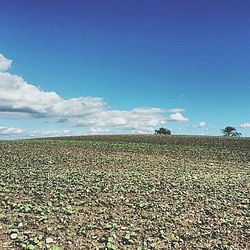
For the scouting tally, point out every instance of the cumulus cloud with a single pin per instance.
(178, 117)
(200, 125)
(5, 63)
(21, 99)
(138, 119)
(10, 131)
(175, 110)
(245, 125)
(17, 96)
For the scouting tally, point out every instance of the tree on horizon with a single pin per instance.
(163, 131)
(230, 132)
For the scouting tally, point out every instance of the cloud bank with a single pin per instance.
(19, 99)
(50, 133)
(10, 131)
(245, 125)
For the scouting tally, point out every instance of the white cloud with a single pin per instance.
(14, 133)
(245, 125)
(175, 110)
(136, 120)
(5, 63)
(200, 125)
(17, 96)
(97, 131)
(20, 99)
(52, 133)
(178, 117)
(10, 131)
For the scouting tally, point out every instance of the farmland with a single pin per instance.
(125, 192)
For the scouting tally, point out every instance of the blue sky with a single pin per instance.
(87, 67)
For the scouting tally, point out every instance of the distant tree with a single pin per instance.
(230, 132)
(163, 131)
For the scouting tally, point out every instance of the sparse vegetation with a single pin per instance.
(125, 192)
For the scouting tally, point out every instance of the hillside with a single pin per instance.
(125, 192)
